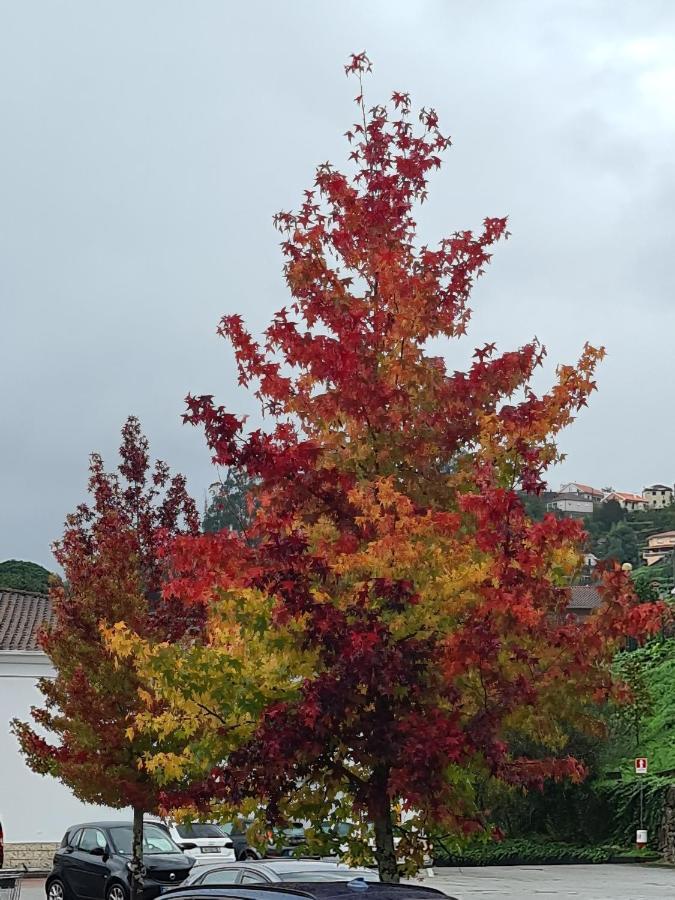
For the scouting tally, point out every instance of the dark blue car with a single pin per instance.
(320, 890)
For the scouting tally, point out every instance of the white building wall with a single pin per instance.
(580, 507)
(33, 808)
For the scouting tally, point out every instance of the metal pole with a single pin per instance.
(641, 804)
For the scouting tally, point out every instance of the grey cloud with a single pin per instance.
(146, 146)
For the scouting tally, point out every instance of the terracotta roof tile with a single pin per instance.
(22, 613)
(626, 496)
(586, 488)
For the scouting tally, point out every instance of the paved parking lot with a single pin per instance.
(529, 883)
(620, 882)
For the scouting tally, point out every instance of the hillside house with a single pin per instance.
(658, 547)
(629, 502)
(575, 500)
(583, 491)
(658, 496)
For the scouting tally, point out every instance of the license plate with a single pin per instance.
(210, 849)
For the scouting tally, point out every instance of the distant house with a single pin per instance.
(584, 491)
(584, 600)
(575, 505)
(658, 547)
(34, 810)
(627, 501)
(575, 499)
(658, 496)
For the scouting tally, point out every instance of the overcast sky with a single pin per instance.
(145, 146)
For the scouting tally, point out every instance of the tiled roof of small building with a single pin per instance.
(584, 596)
(22, 614)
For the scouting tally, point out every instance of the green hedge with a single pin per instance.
(520, 852)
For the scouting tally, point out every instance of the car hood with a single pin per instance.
(153, 861)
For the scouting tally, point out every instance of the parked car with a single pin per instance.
(281, 842)
(237, 833)
(320, 890)
(272, 871)
(206, 842)
(93, 862)
(2, 847)
(284, 842)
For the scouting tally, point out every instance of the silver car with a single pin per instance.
(269, 871)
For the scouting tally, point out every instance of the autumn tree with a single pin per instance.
(390, 558)
(111, 554)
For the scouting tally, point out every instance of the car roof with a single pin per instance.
(105, 824)
(322, 890)
(289, 865)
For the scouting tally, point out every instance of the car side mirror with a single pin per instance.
(188, 846)
(100, 851)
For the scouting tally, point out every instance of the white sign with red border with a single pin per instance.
(641, 765)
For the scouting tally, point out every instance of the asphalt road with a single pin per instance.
(621, 882)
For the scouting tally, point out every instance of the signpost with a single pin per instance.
(641, 769)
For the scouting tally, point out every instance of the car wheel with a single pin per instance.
(249, 854)
(116, 891)
(56, 890)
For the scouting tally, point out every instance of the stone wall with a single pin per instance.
(667, 829)
(29, 856)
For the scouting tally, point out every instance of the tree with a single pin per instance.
(620, 544)
(228, 506)
(112, 554)
(534, 505)
(17, 574)
(390, 550)
(609, 513)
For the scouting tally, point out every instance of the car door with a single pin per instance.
(68, 862)
(92, 866)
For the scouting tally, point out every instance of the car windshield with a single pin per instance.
(327, 875)
(189, 830)
(154, 840)
(238, 827)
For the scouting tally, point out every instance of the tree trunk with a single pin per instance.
(385, 852)
(137, 869)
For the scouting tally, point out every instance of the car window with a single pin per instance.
(92, 839)
(155, 840)
(199, 830)
(240, 827)
(220, 876)
(71, 838)
(253, 878)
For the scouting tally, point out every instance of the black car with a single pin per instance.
(284, 842)
(236, 831)
(93, 863)
(281, 842)
(320, 890)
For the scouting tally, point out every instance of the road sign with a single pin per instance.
(641, 765)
